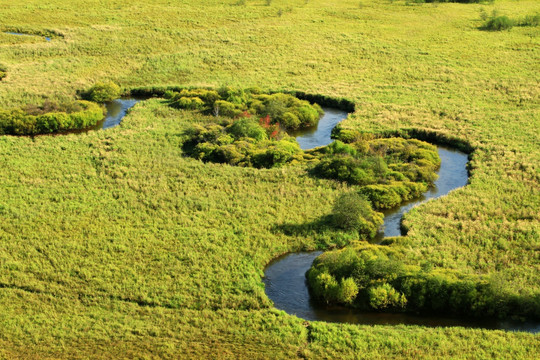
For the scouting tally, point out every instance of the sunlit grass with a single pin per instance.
(113, 244)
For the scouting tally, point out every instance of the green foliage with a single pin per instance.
(384, 283)
(380, 161)
(102, 92)
(50, 119)
(241, 142)
(384, 297)
(498, 23)
(353, 212)
(283, 109)
(387, 196)
(347, 291)
(529, 20)
(247, 128)
(119, 215)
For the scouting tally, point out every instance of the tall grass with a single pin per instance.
(116, 245)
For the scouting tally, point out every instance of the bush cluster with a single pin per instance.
(242, 142)
(354, 212)
(384, 283)
(390, 171)
(103, 92)
(49, 118)
(497, 22)
(284, 109)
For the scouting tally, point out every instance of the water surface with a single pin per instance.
(22, 34)
(116, 111)
(320, 134)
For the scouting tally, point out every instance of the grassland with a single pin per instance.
(114, 244)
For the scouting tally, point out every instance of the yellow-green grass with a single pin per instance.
(115, 245)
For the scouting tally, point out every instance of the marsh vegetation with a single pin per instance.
(118, 243)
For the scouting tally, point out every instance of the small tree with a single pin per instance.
(353, 212)
(103, 92)
(347, 291)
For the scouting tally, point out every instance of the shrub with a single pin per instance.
(103, 92)
(498, 23)
(190, 103)
(243, 142)
(386, 297)
(20, 122)
(325, 287)
(353, 212)
(247, 128)
(225, 108)
(345, 168)
(347, 291)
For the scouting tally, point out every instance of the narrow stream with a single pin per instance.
(320, 135)
(22, 34)
(285, 280)
(116, 110)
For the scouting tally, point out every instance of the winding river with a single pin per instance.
(285, 280)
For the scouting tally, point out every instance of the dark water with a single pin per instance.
(116, 110)
(21, 34)
(286, 285)
(320, 135)
(285, 280)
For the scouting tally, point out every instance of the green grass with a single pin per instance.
(113, 244)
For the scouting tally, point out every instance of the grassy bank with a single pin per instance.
(115, 244)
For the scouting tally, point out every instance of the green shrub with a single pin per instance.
(225, 108)
(285, 109)
(190, 103)
(103, 92)
(353, 212)
(386, 297)
(346, 168)
(247, 128)
(347, 291)
(20, 122)
(498, 23)
(383, 282)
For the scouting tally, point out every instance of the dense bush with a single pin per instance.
(242, 142)
(498, 23)
(353, 212)
(384, 283)
(103, 92)
(49, 118)
(387, 196)
(390, 170)
(284, 109)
